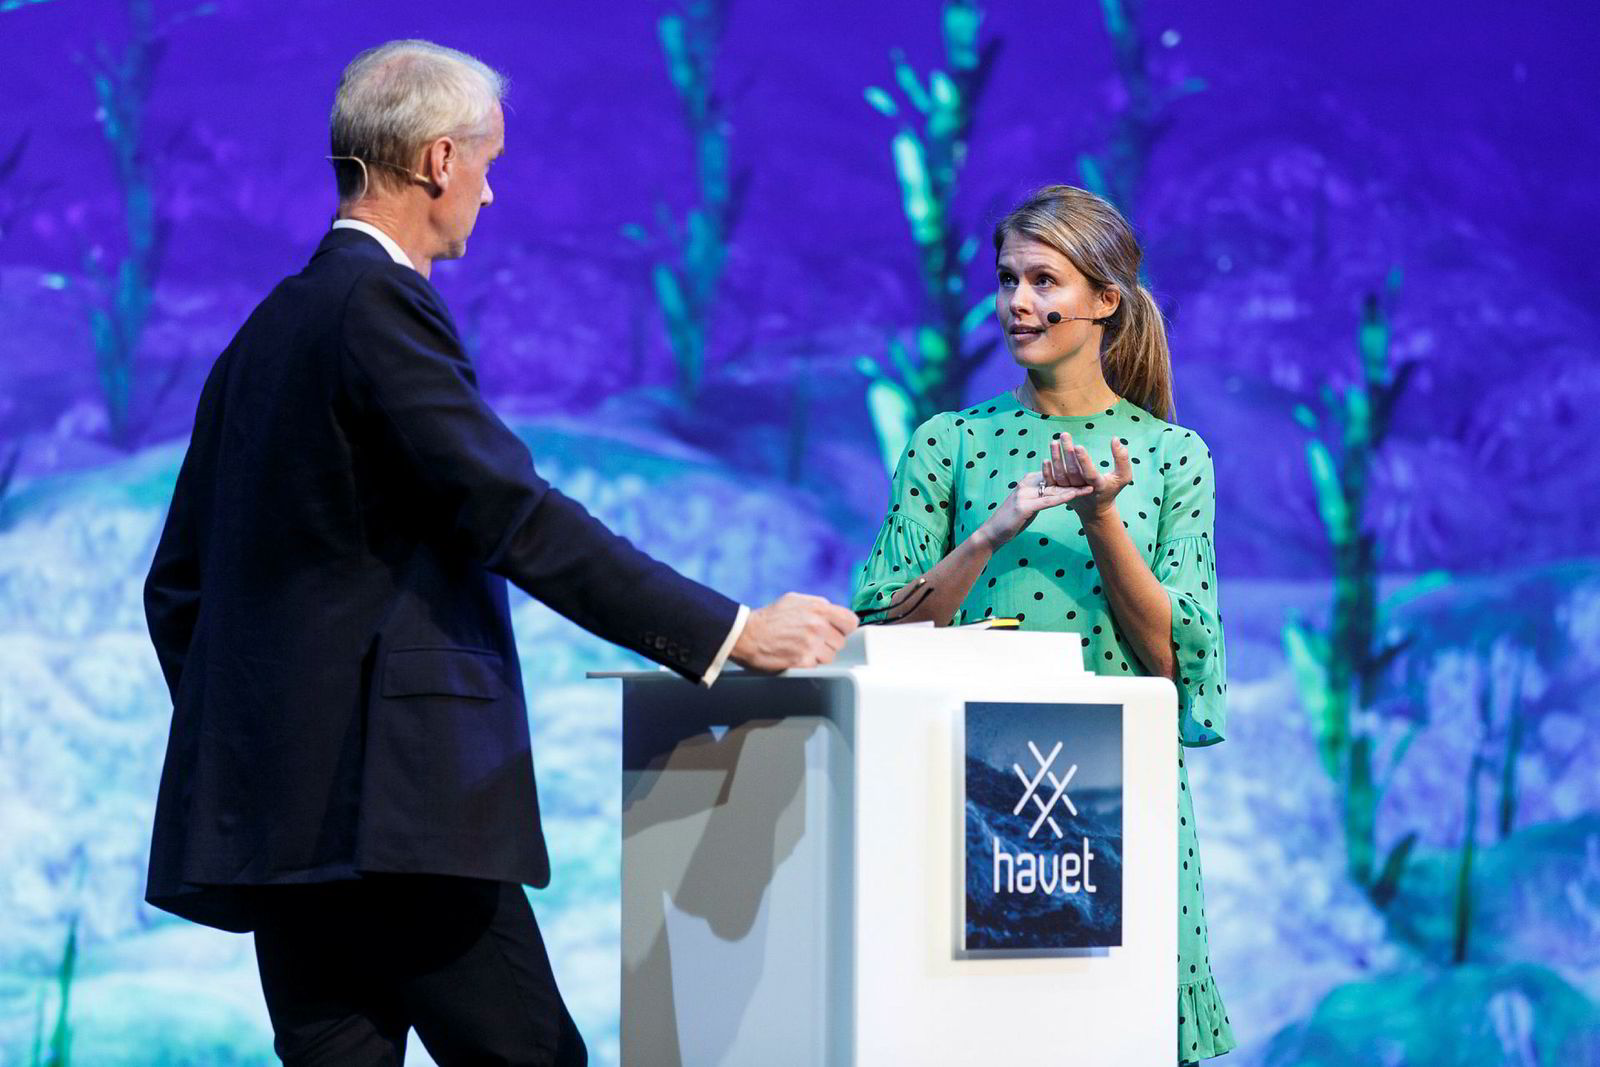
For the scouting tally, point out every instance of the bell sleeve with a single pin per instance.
(916, 532)
(1185, 565)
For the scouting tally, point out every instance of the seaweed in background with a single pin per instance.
(59, 1051)
(9, 460)
(1421, 1014)
(685, 283)
(1341, 671)
(122, 290)
(1118, 172)
(14, 200)
(1490, 696)
(9, 209)
(13, 203)
(929, 150)
(1338, 669)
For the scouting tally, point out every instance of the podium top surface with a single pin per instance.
(932, 651)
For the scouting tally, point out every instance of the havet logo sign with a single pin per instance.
(1043, 785)
(1066, 871)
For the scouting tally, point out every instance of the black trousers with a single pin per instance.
(349, 968)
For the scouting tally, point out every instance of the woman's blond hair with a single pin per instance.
(1098, 241)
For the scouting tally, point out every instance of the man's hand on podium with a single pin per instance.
(796, 630)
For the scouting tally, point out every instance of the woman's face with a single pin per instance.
(1034, 280)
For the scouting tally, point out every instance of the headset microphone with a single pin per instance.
(1055, 318)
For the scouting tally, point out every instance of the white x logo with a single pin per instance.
(1031, 789)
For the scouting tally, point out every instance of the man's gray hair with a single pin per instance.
(397, 97)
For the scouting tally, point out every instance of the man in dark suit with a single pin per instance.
(348, 773)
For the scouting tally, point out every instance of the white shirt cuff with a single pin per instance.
(727, 647)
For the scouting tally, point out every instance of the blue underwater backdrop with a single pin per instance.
(736, 249)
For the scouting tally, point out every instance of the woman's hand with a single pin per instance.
(1069, 467)
(1032, 495)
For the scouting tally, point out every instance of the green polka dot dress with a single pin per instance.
(959, 467)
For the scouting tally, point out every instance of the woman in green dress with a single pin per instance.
(1071, 503)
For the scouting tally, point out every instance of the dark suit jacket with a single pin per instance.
(328, 602)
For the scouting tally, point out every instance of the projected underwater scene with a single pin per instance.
(736, 251)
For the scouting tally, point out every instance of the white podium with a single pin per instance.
(793, 882)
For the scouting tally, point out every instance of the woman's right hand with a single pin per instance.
(1030, 497)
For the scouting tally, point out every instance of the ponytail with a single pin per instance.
(1136, 359)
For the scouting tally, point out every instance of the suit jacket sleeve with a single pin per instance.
(172, 588)
(407, 367)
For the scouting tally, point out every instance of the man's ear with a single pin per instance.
(443, 156)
